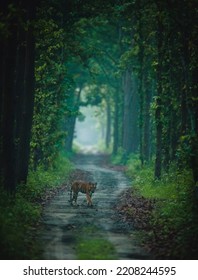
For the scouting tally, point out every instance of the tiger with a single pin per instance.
(84, 187)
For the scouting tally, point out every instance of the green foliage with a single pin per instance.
(90, 245)
(52, 88)
(95, 249)
(176, 218)
(20, 214)
(17, 217)
(40, 180)
(133, 166)
(120, 158)
(175, 215)
(171, 186)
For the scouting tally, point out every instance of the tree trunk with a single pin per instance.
(28, 101)
(17, 90)
(141, 92)
(141, 118)
(158, 112)
(8, 109)
(27, 111)
(116, 122)
(127, 131)
(8, 121)
(194, 124)
(130, 120)
(108, 122)
(147, 126)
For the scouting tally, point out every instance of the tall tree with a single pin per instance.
(158, 112)
(17, 84)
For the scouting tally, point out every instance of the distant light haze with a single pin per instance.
(87, 133)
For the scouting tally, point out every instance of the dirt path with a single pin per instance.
(66, 228)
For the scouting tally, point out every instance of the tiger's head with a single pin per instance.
(92, 187)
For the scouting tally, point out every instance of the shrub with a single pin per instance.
(19, 213)
(174, 219)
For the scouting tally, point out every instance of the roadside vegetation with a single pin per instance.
(171, 231)
(20, 213)
(91, 246)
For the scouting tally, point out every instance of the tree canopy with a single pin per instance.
(138, 57)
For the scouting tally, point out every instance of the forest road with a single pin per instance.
(64, 227)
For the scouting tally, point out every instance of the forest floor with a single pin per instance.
(111, 229)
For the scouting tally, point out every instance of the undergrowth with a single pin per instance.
(174, 219)
(20, 213)
(95, 249)
(120, 158)
(42, 179)
(91, 245)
